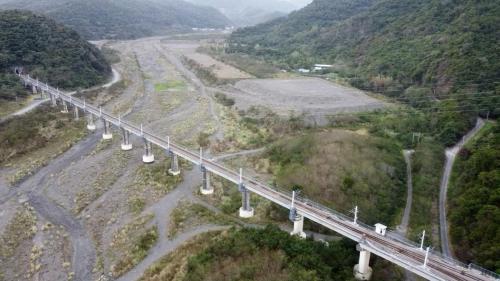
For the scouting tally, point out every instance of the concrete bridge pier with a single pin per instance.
(206, 188)
(106, 135)
(148, 156)
(298, 226)
(126, 145)
(76, 111)
(34, 89)
(246, 211)
(174, 166)
(363, 271)
(65, 107)
(53, 100)
(90, 122)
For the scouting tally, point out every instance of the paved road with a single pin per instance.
(451, 153)
(37, 102)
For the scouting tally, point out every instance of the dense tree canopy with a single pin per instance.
(46, 50)
(475, 201)
(387, 46)
(271, 254)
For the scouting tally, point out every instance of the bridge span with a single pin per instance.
(389, 245)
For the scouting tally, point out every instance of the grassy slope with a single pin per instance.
(342, 169)
(29, 141)
(427, 170)
(474, 200)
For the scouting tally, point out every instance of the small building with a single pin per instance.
(321, 67)
(380, 229)
(303, 70)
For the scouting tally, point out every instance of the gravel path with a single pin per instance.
(83, 257)
(403, 227)
(162, 211)
(193, 79)
(451, 154)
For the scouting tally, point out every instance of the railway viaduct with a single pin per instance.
(376, 240)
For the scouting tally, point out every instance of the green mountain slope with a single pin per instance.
(474, 209)
(48, 51)
(124, 19)
(248, 13)
(388, 45)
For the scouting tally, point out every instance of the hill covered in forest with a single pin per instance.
(248, 13)
(387, 45)
(46, 50)
(475, 200)
(124, 19)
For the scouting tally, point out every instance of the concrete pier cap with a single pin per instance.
(206, 191)
(246, 213)
(106, 136)
(91, 127)
(148, 159)
(126, 147)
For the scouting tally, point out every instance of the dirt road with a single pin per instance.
(403, 226)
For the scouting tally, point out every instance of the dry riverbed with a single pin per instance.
(98, 213)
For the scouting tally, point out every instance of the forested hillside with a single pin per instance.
(475, 201)
(388, 45)
(247, 13)
(440, 57)
(124, 19)
(48, 51)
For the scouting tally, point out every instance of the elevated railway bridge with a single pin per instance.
(389, 245)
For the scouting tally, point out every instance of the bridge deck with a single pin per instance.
(390, 247)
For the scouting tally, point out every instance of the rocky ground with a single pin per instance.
(96, 212)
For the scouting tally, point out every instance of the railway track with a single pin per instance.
(400, 252)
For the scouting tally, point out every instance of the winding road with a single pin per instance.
(37, 102)
(451, 154)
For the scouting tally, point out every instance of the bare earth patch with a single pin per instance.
(220, 69)
(316, 98)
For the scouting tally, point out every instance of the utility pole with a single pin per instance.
(422, 238)
(426, 256)
(355, 211)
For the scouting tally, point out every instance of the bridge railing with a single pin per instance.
(193, 157)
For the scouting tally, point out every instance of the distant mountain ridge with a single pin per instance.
(46, 50)
(124, 19)
(248, 13)
(440, 44)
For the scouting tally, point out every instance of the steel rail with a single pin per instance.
(397, 250)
